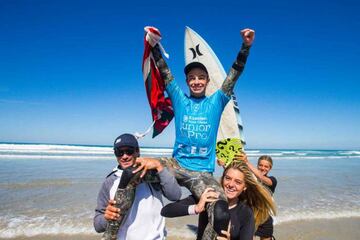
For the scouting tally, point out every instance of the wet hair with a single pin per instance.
(266, 158)
(256, 196)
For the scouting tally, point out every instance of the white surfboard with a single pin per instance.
(197, 50)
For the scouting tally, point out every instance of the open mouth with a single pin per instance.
(197, 85)
(197, 88)
(230, 190)
(126, 162)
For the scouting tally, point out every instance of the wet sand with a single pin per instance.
(324, 229)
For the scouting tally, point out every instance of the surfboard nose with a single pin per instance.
(187, 28)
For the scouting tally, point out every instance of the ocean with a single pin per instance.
(52, 189)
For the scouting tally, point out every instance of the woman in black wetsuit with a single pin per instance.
(249, 203)
(266, 230)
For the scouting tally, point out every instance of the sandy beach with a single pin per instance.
(329, 229)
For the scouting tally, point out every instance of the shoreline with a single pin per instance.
(317, 229)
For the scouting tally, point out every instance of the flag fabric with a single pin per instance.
(161, 108)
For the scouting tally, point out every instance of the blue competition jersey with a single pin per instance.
(196, 123)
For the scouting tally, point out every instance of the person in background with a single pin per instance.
(265, 163)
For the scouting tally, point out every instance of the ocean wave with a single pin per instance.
(151, 150)
(25, 226)
(313, 215)
(314, 157)
(52, 151)
(252, 151)
(32, 226)
(37, 184)
(51, 147)
(272, 154)
(151, 154)
(47, 157)
(33, 151)
(289, 152)
(349, 152)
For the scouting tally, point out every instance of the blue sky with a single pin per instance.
(70, 71)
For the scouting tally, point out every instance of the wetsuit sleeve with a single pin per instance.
(247, 230)
(178, 208)
(169, 185)
(162, 66)
(274, 183)
(203, 222)
(102, 202)
(236, 70)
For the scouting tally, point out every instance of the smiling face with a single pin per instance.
(264, 167)
(234, 184)
(126, 156)
(197, 80)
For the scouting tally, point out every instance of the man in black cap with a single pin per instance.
(197, 119)
(143, 219)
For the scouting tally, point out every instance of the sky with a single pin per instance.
(70, 71)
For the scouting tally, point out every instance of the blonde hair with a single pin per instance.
(266, 158)
(256, 196)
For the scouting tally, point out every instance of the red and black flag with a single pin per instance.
(161, 108)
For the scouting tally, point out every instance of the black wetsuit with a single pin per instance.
(267, 228)
(242, 218)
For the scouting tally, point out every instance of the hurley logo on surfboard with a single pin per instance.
(196, 51)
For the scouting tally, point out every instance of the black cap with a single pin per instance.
(193, 65)
(126, 140)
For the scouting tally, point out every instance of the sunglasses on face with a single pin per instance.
(121, 152)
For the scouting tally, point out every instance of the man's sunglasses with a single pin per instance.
(121, 152)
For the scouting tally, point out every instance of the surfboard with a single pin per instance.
(230, 131)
